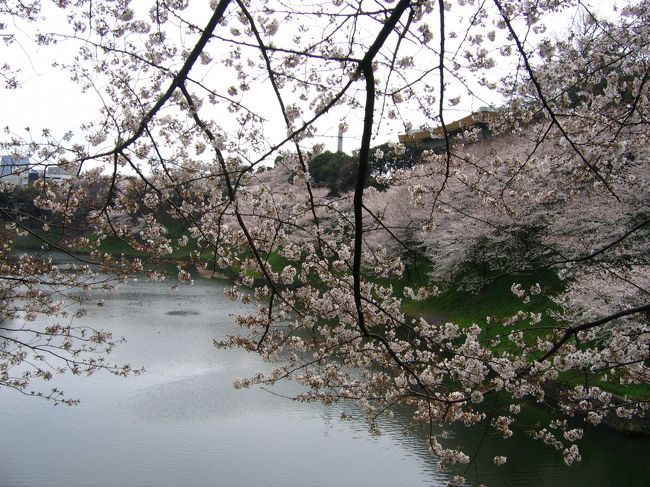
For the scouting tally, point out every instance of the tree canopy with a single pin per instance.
(192, 100)
(336, 171)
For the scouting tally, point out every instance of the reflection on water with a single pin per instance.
(183, 424)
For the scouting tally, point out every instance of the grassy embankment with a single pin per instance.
(498, 302)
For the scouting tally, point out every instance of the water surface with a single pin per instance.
(183, 424)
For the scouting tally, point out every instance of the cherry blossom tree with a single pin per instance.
(195, 101)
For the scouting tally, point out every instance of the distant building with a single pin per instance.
(15, 171)
(56, 173)
(20, 172)
(435, 141)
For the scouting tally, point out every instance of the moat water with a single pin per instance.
(183, 424)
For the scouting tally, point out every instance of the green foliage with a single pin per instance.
(338, 170)
(334, 170)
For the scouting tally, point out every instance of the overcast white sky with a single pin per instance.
(47, 97)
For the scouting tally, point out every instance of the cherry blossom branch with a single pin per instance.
(283, 108)
(178, 79)
(547, 107)
(569, 332)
